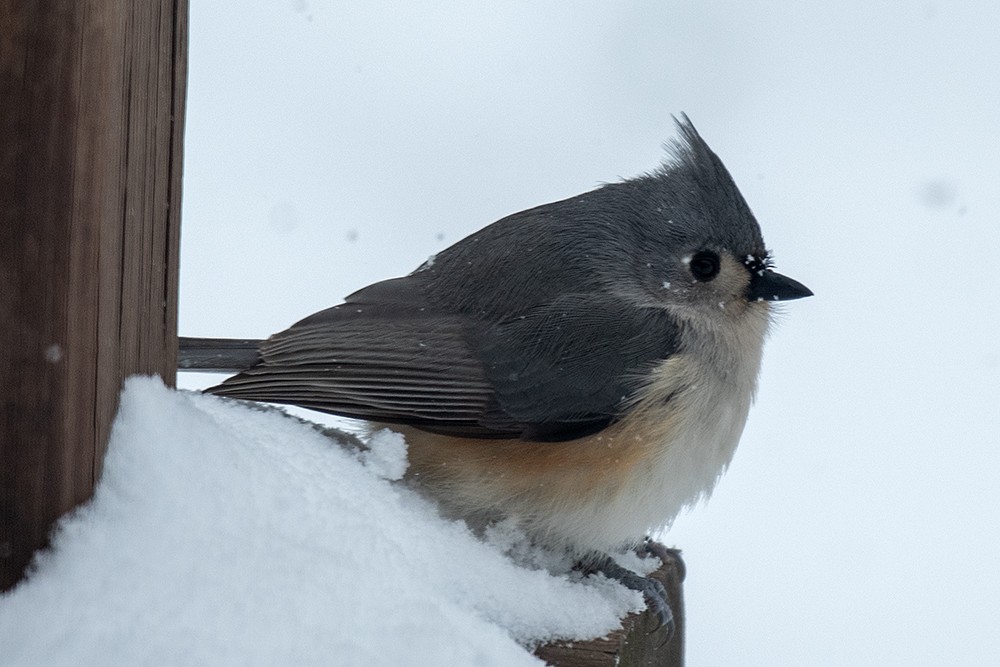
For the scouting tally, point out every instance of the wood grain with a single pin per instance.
(91, 133)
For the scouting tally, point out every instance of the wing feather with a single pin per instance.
(372, 365)
(555, 371)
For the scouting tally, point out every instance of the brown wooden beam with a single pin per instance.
(91, 128)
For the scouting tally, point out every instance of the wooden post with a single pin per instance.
(91, 128)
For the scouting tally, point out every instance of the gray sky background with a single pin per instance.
(330, 145)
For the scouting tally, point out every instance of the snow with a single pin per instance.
(221, 534)
(385, 455)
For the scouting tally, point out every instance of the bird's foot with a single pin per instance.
(652, 590)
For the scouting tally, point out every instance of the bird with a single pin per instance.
(584, 368)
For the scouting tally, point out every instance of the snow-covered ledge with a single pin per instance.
(220, 534)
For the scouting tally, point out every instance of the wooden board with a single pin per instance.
(91, 133)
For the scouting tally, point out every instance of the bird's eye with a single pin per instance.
(704, 265)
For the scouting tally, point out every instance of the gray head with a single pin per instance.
(681, 236)
(699, 247)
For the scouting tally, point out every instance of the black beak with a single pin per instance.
(766, 285)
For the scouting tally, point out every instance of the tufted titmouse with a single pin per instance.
(584, 367)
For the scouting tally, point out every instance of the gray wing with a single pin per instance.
(555, 372)
(575, 361)
(382, 363)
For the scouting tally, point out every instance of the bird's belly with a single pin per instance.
(599, 492)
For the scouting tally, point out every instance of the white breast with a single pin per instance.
(613, 488)
(684, 431)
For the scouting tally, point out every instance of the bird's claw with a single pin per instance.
(656, 600)
(652, 591)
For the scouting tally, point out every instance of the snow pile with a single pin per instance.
(222, 534)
